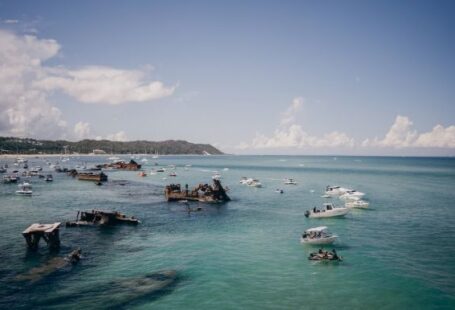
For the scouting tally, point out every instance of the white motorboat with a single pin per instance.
(10, 178)
(349, 197)
(318, 235)
(354, 192)
(357, 204)
(328, 210)
(49, 178)
(253, 183)
(244, 180)
(290, 182)
(25, 189)
(336, 190)
(279, 191)
(172, 174)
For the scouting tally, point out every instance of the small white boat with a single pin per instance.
(244, 180)
(349, 197)
(172, 174)
(279, 191)
(357, 204)
(317, 235)
(353, 192)
(25, 189)
(328, 210)
(290, 182)
(253, 183)
(336, 190)
(49, 178)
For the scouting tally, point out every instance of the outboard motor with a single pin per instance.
(307, 213)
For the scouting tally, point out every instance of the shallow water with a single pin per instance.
(244, 254)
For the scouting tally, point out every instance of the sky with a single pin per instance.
(249, 77)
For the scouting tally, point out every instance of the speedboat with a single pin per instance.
(49, 178)
(318, 235)
(354, 192)
(10, 179)
(25, 189)
(328, 210)
(172, 174)
(290, 182)
(336, 190)
(253, 183)
(349, 197)
(279, 191)
(357, 204)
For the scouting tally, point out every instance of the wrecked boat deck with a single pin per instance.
(202, 193)
(99, 217)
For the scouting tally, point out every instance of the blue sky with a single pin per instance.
(349, 77)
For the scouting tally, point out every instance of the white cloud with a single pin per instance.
(295, 137)
(104, 85)
(11, 21)
(26, 84)
(291, 135)
(401, 135)
(26, 110)
(119, 136)
(438, 137)
(288, 117)
(82, 130)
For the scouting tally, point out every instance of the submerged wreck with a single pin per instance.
(98, 217)
(201, 193)
(123, 292)
(51, 266)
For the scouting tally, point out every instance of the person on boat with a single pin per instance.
(335, 255)
(314, 210)
(304, 235)
(320, 251)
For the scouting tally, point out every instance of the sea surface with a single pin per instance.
(244, 254)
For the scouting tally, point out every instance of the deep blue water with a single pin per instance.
(399, 253)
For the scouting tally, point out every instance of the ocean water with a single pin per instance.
(245, 254)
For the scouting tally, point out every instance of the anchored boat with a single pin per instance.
(328, 210)
(318, 235)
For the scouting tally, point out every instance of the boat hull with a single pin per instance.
(332, 213)
(317, 241)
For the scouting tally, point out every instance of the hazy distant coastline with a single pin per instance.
(27, 146)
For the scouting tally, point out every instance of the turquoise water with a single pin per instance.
(398, 254)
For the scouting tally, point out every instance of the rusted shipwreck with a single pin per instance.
(202, 193)
(121, 165)
(90, 176)
(99, 217)
(49, 232)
